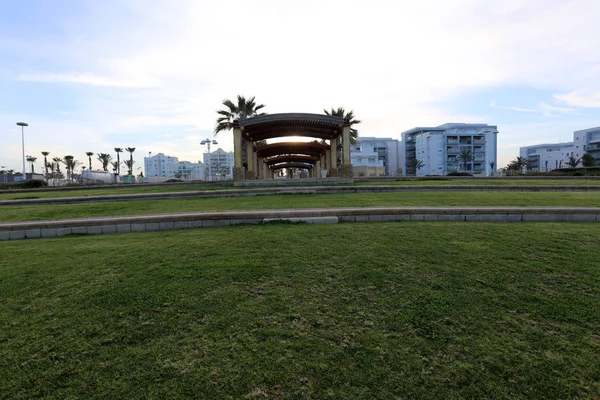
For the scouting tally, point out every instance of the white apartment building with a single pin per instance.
(376, 154)
(190, 171)
(218, 165)
(587, 141)
(163, 166)
(160, 165)
(438, 149)
(545, 157)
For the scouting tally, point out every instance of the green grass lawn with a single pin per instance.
(64, 211)
(184, 188)
(348, 311)
(487, 182)
(33, 194)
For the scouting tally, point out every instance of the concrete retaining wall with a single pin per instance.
(164, 222)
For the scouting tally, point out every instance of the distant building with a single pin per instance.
(587, 141)
(219, 164)
(166, 167)
(546, 157)
(542, 157)
(5, 177)
(372, 156)
(437, 150)
(190, 171)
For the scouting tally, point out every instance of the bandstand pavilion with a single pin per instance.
(318, 156)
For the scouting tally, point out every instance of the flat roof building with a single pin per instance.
(453, 147)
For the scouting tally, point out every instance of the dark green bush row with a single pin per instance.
(455, 173)
(30, 184)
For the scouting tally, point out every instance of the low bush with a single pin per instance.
(459, 174)
(30, 184)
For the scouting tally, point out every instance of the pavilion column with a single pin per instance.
(333, 172)
(251, 173)
(258, 166)
(346, 161)
(265, 170)
(239, 174)
(321, 164)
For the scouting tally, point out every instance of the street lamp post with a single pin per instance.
(207, 142)
(23, 125)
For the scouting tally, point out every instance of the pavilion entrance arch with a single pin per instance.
(271, 126)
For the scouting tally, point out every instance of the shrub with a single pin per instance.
(30, 184)
(455, 173)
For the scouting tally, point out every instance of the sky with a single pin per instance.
(92, 75)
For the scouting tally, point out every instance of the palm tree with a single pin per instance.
(588, 160)
(129, 164)
(45, 154)
(31, 159)
(130, 150)
(243, 109)
(57, 160)
(348, 118)
(573, 162)
(89, 154)
(517, 164)
(416, 164)
(51, 166)
(115, 166)
(104, 158)
(492, 166)
(70, 165)
(465, 155)
(118, 150)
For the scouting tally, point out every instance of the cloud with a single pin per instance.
(526, 110)
(85, 79)
(580, 98)
(547, 107)
(396, 64)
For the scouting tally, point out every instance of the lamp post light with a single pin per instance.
(23, 125)
(208, 142)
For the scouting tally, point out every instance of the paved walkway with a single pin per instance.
(163, 222)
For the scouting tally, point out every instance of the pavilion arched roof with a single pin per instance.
(292, 165)
(291, 148)
(291, 158)
(271, 126)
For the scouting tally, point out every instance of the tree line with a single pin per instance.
(521, 163)
(53, 167)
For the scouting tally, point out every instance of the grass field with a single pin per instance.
(185, 188)
(488, 182)
(33, 194)
(64, 211)
(349, 311)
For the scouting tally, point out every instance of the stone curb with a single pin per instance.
(163, 222)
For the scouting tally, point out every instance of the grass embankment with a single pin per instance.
(349, 311)
(132, 189)
(486, 182)
(33, 194)
(141, 207)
